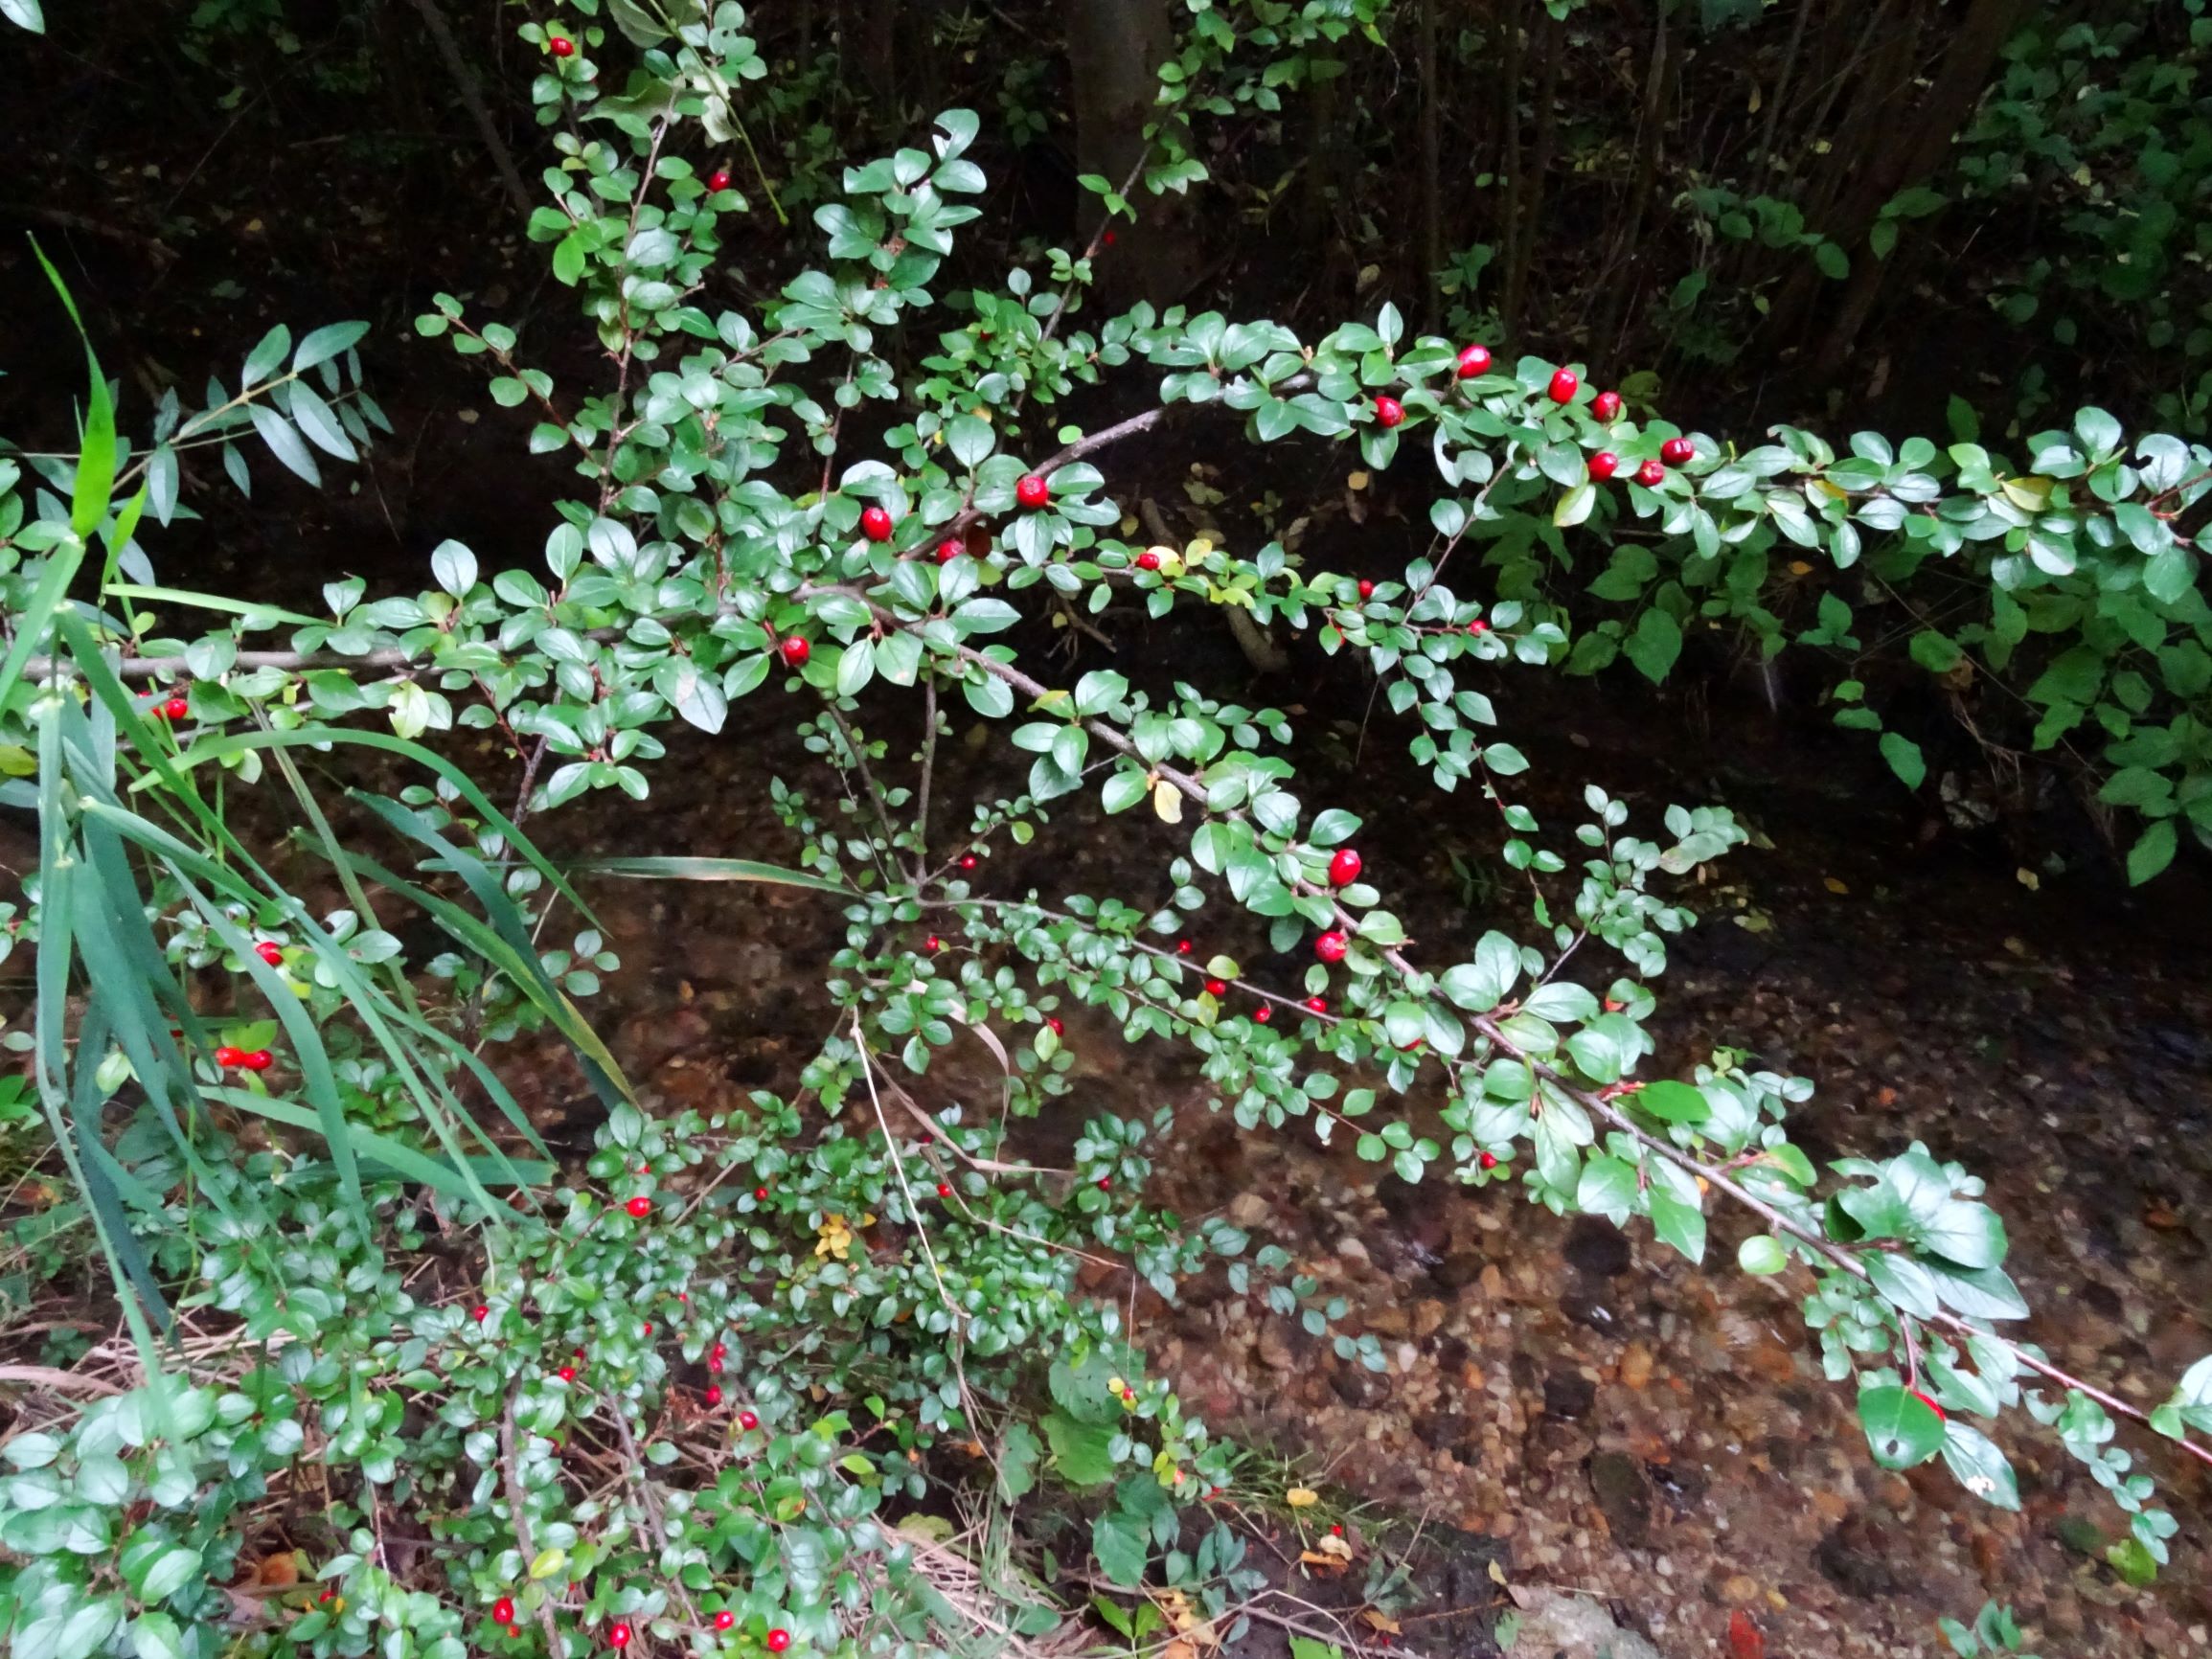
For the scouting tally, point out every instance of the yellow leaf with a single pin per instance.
(2031, 494)
(1301, 1497)
(18, 762)
(1833, 885)
(1380, 1620)
(1798, 567)
(1168, 802)
(1833, 491)
(548, 1563)
(1357, 481)
(1496, 1574)
(832, 1237)
(930, 1529)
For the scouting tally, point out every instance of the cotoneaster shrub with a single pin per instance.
(686, 1397)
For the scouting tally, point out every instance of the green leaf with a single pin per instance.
(1901, 1429)
(1905, 758)
(1119, 1541)
(24, 14)
(2152, 852)
(1762, 1253)
(1678, 1221)
(1575, 506)
(1608, 1187)
(1672, 1103)
(1017, 1454)
(1083, 1452)
(1979, 1465)
(325, 343)
(1903, 1282)
(1654, 644)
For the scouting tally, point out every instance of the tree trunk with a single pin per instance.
(1114, 49)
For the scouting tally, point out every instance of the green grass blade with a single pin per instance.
(684, 869)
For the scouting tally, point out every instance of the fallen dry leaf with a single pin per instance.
(1301, 1497)
(1382, 1622)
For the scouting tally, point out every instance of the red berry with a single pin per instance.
(480, 1313)
(796, 650)
(260, 1060)
(948, 550)
(567, 1374)
(713, 1395)
(1489, 1160)
(1182, 948)
(933, 945)
(718, 1354)
(1106, 1183)
(747, 1422)
(1216, 988)
(1930, 1404)
(648, 1328)
(619, 1636)
(1261, 1014)
(1366, 590)
(1604, 464)
(1331, 946)
(1565, 383)
(724, 1619)
(944, 1188)
(1649, 473)
(513, 1631)
(503, 1611)
(1478, 627)
(1614, 1005)
(1388, 412)
(1344, 868)
(1053, 1021)
(1031, 490)
(760, 1191)
(779, 1640)
(1606, 405)
(719, 179)
(561, 46)
(1677, 451)
(1317, 1004)
(969, 861)
(640, 1206)
(875, 524)
(230, 1058)
(176, 708)
(1473, 360)
(1148, 559)
(270, 952)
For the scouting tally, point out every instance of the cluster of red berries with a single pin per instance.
(244, 1059)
